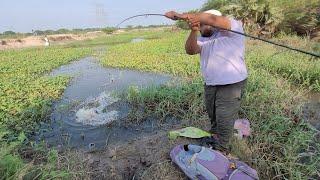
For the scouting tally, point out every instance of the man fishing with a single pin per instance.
(222, 66)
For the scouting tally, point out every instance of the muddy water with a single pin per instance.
(311, 110)
(90, 115)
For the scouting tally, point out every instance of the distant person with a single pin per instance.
(47, 42)
(223, 68)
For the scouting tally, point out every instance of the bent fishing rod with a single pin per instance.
(236, 32)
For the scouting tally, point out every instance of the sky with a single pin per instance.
(28, 15)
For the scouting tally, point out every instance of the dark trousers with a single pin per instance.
(223, 105)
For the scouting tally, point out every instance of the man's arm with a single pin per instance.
(201, 18)
(192, 46)
(210, 19)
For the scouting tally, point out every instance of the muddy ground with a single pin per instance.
(143, 158)
(146, 157)
(33, 41)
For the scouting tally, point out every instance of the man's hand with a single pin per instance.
(193, 19)
(194, 27)
(172, 15)
(175, 16)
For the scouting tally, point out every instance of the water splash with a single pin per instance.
(100, 114)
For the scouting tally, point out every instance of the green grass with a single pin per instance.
(157, 55)
(109, 40)
(26, 94)
(165, 56)
(281, 140)
(24, 90)
(298, 68)
(281, 143)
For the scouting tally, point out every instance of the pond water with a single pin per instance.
(89, 114)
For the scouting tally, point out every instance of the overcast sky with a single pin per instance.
(28, 15)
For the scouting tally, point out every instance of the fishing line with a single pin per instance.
(236, 32)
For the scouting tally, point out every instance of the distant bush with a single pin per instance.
(63, 31)
(182, 24)
(9, 33)
(109, 30)
(129, 27)
(49, 32)
(139, 27)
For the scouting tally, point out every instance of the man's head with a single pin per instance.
(206, 30)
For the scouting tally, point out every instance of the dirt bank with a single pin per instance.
(32, 41)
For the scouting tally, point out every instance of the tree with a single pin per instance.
(258, 16)
(214, 4)
(38, 32)
(304, 20)
(268, 17)
(9, 33)
(48, 32)
(63, 31)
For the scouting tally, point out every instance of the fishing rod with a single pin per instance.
(236, 32)
(140, 15)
